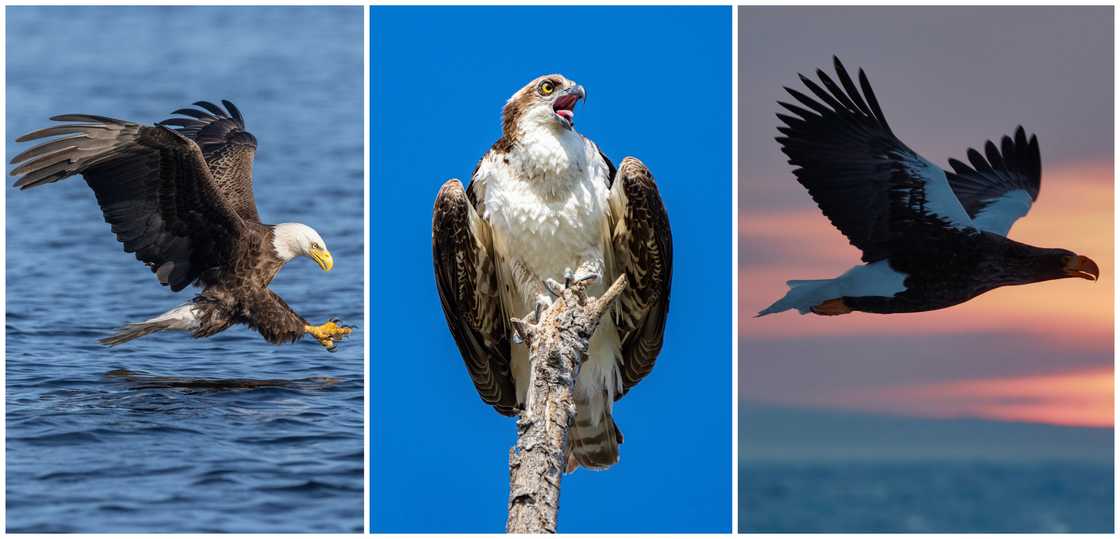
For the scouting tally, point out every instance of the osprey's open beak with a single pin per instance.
(323, 258)
(565, 105)
(1082, 266)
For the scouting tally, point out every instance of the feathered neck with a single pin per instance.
(543, 151)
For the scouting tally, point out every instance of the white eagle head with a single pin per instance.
(547, 102)
(297, 239)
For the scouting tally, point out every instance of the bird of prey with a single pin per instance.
(930, 238)
(181, 199)
(545, 203)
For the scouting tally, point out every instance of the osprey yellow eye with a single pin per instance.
(547, 87)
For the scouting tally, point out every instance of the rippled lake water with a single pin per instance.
(169, 433)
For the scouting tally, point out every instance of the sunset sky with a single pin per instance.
(1038, 353)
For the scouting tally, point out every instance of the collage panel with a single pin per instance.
(191, 127)
(529, 217)
(917, 352)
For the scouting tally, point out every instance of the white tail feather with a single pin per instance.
(181, 318)
(875, 279)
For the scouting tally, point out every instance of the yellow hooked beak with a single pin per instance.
(323, 258)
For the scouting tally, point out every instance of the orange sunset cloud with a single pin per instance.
(1081, 398)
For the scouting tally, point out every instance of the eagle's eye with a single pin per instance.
(546, 87)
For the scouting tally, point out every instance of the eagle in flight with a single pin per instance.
(545, 204)
(181, 199)
(930, 238)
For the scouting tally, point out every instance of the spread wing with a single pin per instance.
(1002, 184)
(229, 150)
(153, 187)
(643, 249)
(867, 182)
(468, 290)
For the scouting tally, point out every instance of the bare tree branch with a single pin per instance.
(557, 343)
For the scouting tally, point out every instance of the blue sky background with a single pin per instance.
(658, 82)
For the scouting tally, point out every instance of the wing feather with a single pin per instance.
(468, 291)
(643, 248)
(228, 148)
(154, 189)
(1001, 184)
(867, 182)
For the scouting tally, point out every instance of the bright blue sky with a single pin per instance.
(658, 81)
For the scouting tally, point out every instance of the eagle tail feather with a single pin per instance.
(802, 295)
(182, 318)
(593, 445)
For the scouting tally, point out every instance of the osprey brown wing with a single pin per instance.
(643, 247)
(153, 186)
(468, 291)
(229, 150)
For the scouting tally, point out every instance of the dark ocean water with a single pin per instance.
(103, 440)
(925, 496)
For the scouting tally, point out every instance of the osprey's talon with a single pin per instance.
(555, 288)
(329, 333)
(586, 276)
(537, 310)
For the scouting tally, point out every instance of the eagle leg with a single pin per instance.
(832, 307)
(329, 333)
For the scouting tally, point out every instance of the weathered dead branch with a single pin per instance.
(557, 342)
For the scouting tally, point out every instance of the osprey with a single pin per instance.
(930, 238)
(543, 203)
(182, 200)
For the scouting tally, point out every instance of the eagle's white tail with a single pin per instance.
(803, 296)
(874, 279)
(181, 318)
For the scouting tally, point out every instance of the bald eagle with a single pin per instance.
(930, 238)
(546, 203)
(181, 199)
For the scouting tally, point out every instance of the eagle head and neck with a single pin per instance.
(538, 129)
(1025, 264)
(297, 239)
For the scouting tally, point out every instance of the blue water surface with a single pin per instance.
(914, 496)
(97, 440)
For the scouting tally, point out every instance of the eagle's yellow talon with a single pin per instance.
(328, 333)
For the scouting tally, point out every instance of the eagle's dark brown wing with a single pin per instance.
(229, 150)
(153, 187)
(643, 249)
(869, 185)
(468, 290)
